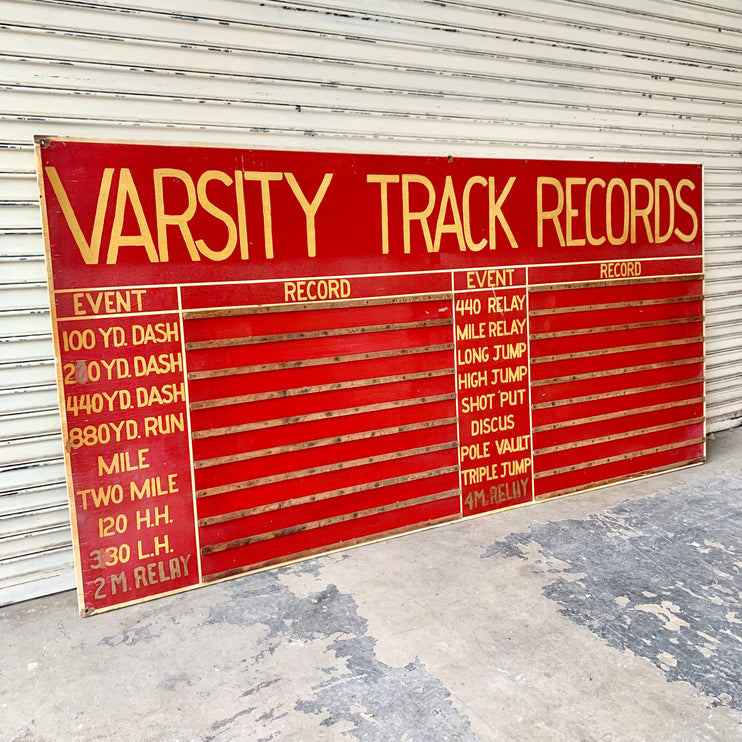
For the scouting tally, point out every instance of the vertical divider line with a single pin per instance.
(530, 403)
(190, 435)
(456, 391)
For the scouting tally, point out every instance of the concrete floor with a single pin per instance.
(612, 615)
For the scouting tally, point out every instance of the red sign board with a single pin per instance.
(263, 355)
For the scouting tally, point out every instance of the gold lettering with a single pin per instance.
(90, 252)
(551, 214)
(466, 208)
(496, 212)
(594, 183)
(384, 181)
(612, 185)
(660, 184)
(571, 213)
(686, 236)
(180, 220)
(239, 188)
(264, 178)
(215, 211)
(643, 213)
(441, 227)
(409, 216)
(310, 209)
(127, 191)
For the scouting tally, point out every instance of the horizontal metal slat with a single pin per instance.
(17, 186)
(359, 112)
(28, 544)
(35, 498)
(28, 577)
(24, 269)
(31, 348)
(21, 244)
(318, 36)
(24, 297)
(23, 424)
(505, 133)
(38, 376)
(381, 142)
(723, 417)
(722, 365)
(27, 523)
(730, 211)
(594, 16)
(723, 250)
(511, 87)
(394, 21)
(384, 90)
(721, 311)
(20, 215)
(32, 474)
(725, 388)
(16, 156)
(21, 451)
(32, 323)
(722, 12)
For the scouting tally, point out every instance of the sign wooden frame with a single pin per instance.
(267, 355)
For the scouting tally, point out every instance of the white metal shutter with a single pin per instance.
(656, 80)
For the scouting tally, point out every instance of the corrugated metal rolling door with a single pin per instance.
(645, 80)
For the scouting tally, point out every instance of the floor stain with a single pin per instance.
(368, 699)
(661, 577)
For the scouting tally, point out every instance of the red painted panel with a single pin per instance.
(82, 304)
(126, 427)
(309, 403)
(627, 442)
(611, 359)
(617, 338)
(619, 470)
(492, 381)
(590, 296)
(585, 317)
(626, 422)
(299, 460)
(265, 522)
(629, 379)
(612, 270)
(338, 347)
(488, 279)
(248, 355)
(305, 485)
(332, 371)
(280, 435)
(347, 233)
(307, 321)
(355, 287)
(554, 413)
(332, 536)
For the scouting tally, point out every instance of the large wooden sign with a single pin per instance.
(264, 356)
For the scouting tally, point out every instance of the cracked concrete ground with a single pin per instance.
(611, 615)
